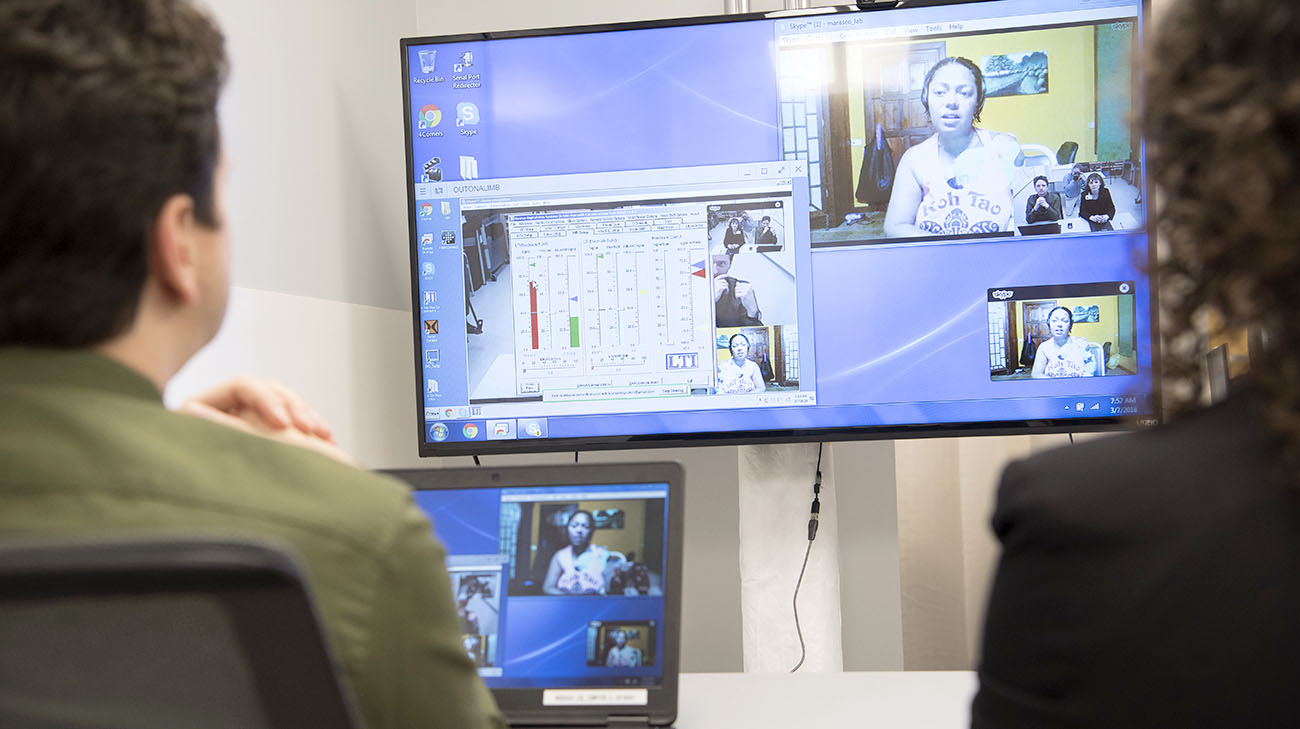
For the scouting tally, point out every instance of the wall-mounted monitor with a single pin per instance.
(924, 220)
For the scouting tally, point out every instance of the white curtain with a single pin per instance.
(776, 490)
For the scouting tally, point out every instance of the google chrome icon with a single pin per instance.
(430, 115)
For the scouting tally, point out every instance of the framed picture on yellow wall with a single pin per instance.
(1015, 74)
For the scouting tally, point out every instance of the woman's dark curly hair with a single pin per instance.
(1222, 120)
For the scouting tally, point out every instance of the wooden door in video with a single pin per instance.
(892, 95)
(892, 83)
(1035, 319)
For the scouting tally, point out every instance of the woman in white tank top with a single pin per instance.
(956, 182)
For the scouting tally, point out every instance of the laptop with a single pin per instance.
(568, 586)
(1041, 229)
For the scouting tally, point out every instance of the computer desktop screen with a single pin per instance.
(779, 227)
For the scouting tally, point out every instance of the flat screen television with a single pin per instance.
(824, 225)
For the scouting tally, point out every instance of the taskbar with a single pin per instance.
(1138, 409)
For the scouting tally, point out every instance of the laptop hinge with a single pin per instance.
(628, 722)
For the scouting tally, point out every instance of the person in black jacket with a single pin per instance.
(1097, 207)
(734, 238)
(1153, 579)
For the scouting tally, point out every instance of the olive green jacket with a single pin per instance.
(87, 448)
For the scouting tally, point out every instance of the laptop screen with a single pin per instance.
(560, 585)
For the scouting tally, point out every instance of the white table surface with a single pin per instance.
(887, 699)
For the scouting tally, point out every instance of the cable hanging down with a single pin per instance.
(814, 518)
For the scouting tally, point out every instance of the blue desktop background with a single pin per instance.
(542, 640)
(900, 331)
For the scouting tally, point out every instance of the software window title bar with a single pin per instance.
(608, 181)
(816, 31)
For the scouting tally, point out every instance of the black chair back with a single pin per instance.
(161, 633)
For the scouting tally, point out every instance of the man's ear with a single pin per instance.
(172, 254)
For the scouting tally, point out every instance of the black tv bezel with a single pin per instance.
(1032, 426)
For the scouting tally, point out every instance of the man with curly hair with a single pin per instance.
(1153, 579)
(114, 271)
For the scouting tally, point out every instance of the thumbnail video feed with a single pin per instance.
(747, 227)
(623, 644)
(969, 136)
(1071, 330)
(587, 547)
(478, 606)
(757, 359)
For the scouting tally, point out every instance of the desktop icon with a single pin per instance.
(438, 432)
(431, 388)
(535, 428)
(466, 114)
(501, 429)
(430, 115)
(431, 357)
(448, 412)
(470, 431)
(426, 269)
(449, 237)
(430, 297)
(426, 239)
(468, 168)
(427, 58)
(432, 171)
(446, 206)
(431, 327)
(426, 210)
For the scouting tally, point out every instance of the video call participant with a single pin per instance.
(1042, 206)
(114, 271)
(765, 235)
(578, 568)
(1097, 207)
(1072, 186)
(622, 655)
(734, 302)
(957, 181)
(1063, 355)
(734, 239)
(739, 375)
(1153, 579)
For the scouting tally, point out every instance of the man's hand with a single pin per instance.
(1042, 202)
(267, 409)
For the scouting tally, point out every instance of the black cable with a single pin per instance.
(802, 650)
(575, 456)
(814, 519)
(476, 463)
(1071, 438)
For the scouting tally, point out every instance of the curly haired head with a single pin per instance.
(1222, 122)
(107, 109)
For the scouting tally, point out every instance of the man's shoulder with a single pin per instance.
(131, 456)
